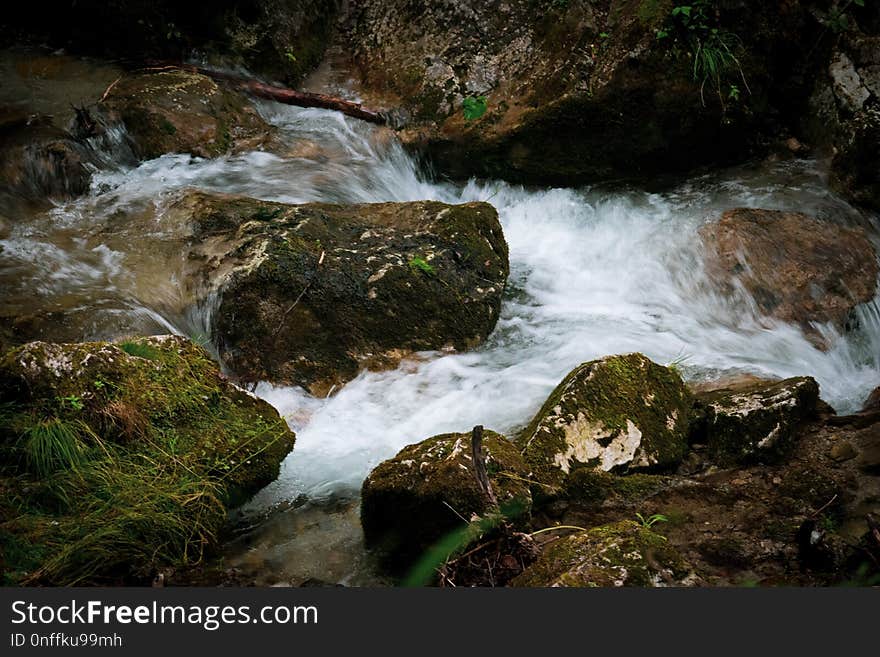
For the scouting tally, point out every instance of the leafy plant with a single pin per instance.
(74, 401)
(712, 48)
(651, 520)
(837, 19)
(422, 265)
(474, 107)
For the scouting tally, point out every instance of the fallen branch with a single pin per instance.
(281, 94)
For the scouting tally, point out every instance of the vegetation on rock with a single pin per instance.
(116, 462)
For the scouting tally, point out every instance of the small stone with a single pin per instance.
(843, 451)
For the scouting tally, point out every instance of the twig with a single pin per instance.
(109, 89)
(297, 300)
(824, 506)
(480, 464)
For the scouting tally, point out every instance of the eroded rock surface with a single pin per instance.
(429, 489)
(619, 413)
(311, 294)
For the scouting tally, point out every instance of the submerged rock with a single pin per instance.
(311, 294)
(430, 489)
(624, 553)
(796, 268)
(619, 413)
(183, 112)
(39, 160)
(125, 456)
(755, 421)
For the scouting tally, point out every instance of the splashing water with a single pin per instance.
(593, 272)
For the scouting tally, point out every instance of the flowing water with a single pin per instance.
(594, 271)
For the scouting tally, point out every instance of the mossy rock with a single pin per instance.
(619, 413)
(590, 487)
(183, 112)
(755, 421)
(620, 554)
(311, 294)
(124, 457)
(430, 489)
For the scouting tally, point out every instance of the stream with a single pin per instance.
(594, 271)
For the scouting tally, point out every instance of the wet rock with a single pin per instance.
(280, 39)
(311, 294)
(430, 489)
(796, 268)
(619, 413)
(148, 378)
(872, 403)
(183, 112)
(755, 421)
(39, 160)
(620, 554)
(845, 111)
(126, 457)
(575, 91)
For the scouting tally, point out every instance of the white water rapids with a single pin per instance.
(593, 272)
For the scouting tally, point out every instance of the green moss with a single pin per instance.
(618, 398)
(429, 490)
(161, 444)
(620, 554)
(587, 486)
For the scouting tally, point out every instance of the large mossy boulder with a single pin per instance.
(796, 268)
(124, 457)
(179, 111)
(430, 489)
(616, 414)
(624, 553)
(577, 91)
(312, 294)
(755, 420)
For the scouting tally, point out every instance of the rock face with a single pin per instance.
(755, 421)
(620, 554)
(311, 294)
(281, 39)
(413, 500)
(182, 112)
(796, 268)
(126, 456)
(846, 111)
(619, 413)
(575, 91)
(39, 160)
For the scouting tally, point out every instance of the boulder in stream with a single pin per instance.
(178, 111)
(123, 457)
(619, 413)
(755, 421)
(311, 294)
(430, 489)
(796, 268)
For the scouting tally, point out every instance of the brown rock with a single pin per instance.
(181, 112)
(797, 268)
